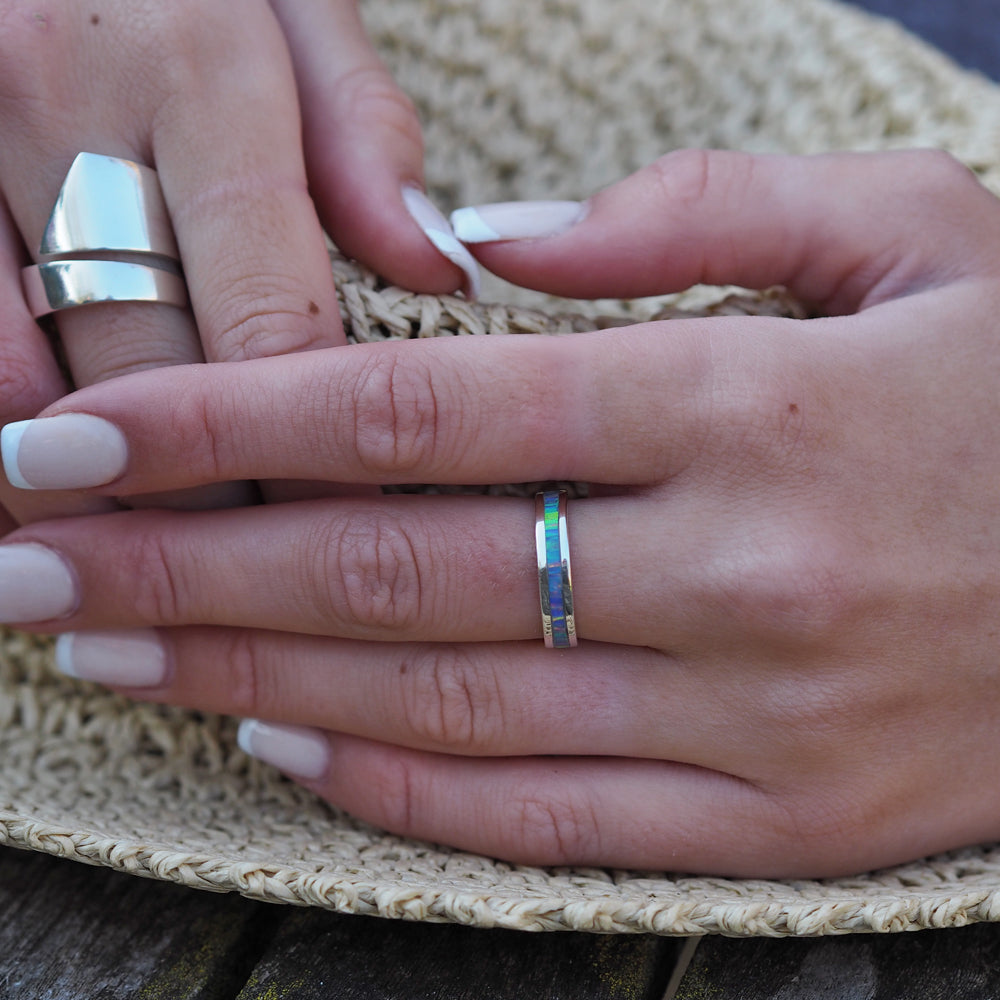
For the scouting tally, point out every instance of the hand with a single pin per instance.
(212, 101)
(787, 607)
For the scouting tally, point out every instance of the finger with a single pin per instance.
(29, 380)
(463, 410)
(106, 340)
(101, 341)
(364, 149)
(253, 251)
(841, 231)
(620, 813)
(483, 699)
(432, 569)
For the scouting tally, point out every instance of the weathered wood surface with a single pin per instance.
(363, 958)
(69, 932)
(960, 964)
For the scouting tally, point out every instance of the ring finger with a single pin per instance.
(407, 568)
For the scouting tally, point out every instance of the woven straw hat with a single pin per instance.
(520, 99)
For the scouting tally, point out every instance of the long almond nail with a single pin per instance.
(437, 229)
(36, 585)
(516, 220)
(129, 658)
(296, 750)
(70, 451)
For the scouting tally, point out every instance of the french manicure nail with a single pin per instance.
(516, 220)
(129, 658)
(295, 750)
(70, 451)
(437, 229)
(36, 585)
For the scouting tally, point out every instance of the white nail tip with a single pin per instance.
(437, 229)
(244, 736)
(448, 245)
(10, 443)
(517, 220)
(470, 228)
(64, 655)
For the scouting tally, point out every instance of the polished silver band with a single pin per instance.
(111, 212)
(66, 284)
(555, 577)
(109, 204)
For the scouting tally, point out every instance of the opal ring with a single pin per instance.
(555, 578)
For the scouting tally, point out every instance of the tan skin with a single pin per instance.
(788, 603)
(265, 128)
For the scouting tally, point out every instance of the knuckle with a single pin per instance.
(825, 828)
(261, 316)
(553, 829)
(949, 190)
(369, 94)
(245, 695)
(180, 41)
(370, 569)
(449, 702)
(797, 588)
(396, 416)
(763, 408)
(693, 177)
(938, 169)
(391, 789)
(154, 580)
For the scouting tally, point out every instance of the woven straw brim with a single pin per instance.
(521, 99)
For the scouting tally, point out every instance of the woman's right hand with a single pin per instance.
(264, 124)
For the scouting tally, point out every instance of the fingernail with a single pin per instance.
(68, 452)
(295, 750)
(35, 585)
(129, 658)
(437, 229)
(516, 220)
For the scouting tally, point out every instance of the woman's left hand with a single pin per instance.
(788, 604)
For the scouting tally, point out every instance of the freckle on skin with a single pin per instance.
(95, 19)
(313, 309)
(793, 408)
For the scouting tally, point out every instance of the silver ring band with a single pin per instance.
(105, 204)
(555, 577)
(111, 212)
(66, 284)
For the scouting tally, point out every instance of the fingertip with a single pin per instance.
(439, 232)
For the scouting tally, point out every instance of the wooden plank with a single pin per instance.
(959, 964)
(323, 955)
(70, 931)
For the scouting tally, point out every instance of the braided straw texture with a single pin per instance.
(520, 99)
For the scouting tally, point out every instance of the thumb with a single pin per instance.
(364, 152)
(841, 231)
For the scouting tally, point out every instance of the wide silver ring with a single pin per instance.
(108, 239)
(66, 284)
(555, 576)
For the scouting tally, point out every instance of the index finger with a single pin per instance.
(464, 410)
